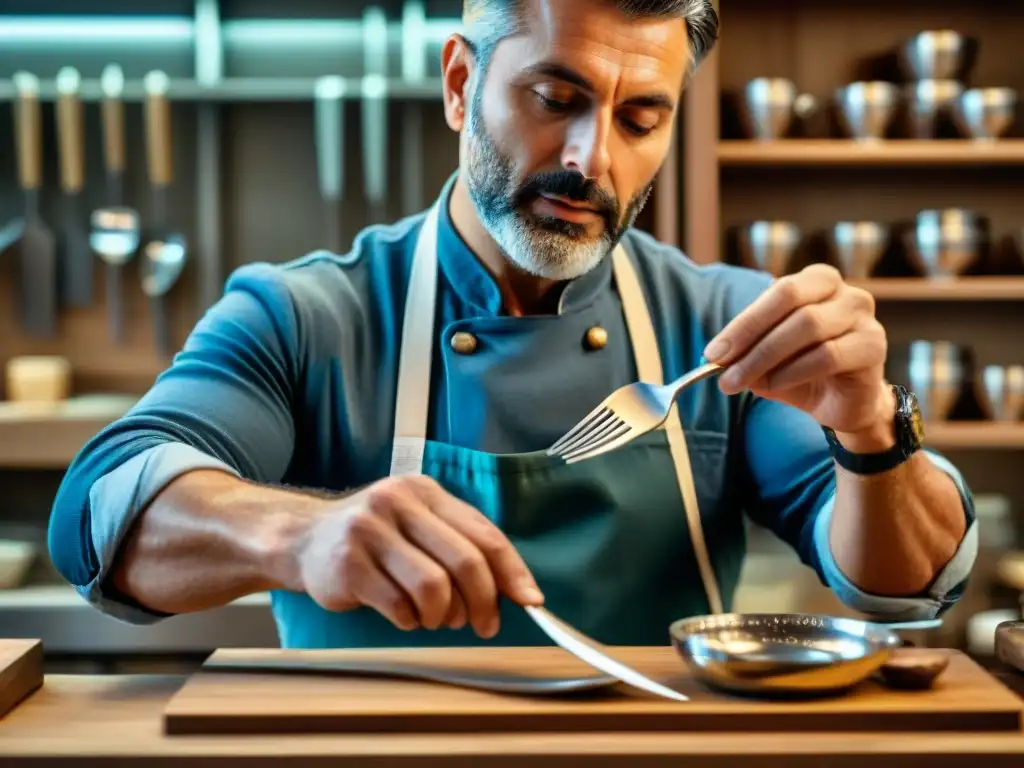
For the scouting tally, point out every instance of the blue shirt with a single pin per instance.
(290, 379)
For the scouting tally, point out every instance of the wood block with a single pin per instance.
(21, 671)
(1010, 644)
(964, 698)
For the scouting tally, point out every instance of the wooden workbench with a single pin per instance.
(115, 721)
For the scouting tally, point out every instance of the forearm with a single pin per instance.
(209, 538)
(892, 533)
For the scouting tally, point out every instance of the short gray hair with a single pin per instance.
(488, 22)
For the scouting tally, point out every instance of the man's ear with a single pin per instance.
(457, 62)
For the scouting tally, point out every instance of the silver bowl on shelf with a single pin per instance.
(785, 654)
(857, 246)
(769, 106)
(866, 109)
(1002, 392)
(940, 54)
(985, 114)
(928, 101)
(937, 372)
(768, 245)
(943, 243)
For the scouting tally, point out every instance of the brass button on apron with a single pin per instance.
(597, 337)
(464, 343)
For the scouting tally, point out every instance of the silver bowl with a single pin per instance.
(940, 54)
(768, 245)
(782, 653)
(1002, 391)
(985, 114)
(937, 372)
(866, 109)
(926, 102)
(943, 243)
(769, 105)
(857, 246)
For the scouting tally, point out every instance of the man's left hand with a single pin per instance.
(812, 341)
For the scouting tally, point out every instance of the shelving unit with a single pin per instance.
(815, 178)
(895, 153)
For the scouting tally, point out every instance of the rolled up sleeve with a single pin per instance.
(224, 404)
(943, 592)
(791, 490)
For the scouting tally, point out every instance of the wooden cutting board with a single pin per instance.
(21, 671)
(965, 698)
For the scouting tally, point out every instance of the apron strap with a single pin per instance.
(412, 396)
(648, 365)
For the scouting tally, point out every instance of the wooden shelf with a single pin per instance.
(894, 152)
(973, 435)
(49, 438)
(958, 289)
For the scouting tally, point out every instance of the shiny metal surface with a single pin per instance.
(985, 114)
(115, 234)
(769, 245)
(624, 415)
(866, 109)
(1002, 391)
(782, 653)
(497, 682)
(769, 105)
(857, 246)
(944, 243)
(590, 651)
(936, 371)
(934, 55)
(928, 102)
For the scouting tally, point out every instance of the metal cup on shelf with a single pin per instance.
(867, 108)
(937, 372)
(985, 114)
(1002, 392)
(768, 245)
(769, 105)
(940, 54)
(858, 245)
(928, 102)
(943, 243)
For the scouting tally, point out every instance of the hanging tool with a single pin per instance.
(329, 104)
(414, 72)
(375, 112)
(115, 227)
(37, 250)
(166, 251)
(75, 271)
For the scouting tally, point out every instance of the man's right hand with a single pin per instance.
(413, 552)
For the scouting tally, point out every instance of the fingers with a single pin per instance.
(429, 528)
(804, 328)
(372, 587)
(510, 572)
(425, 582)
(861, 348)
(457, 613)
(813, 285)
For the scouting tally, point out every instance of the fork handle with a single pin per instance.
(692, 377)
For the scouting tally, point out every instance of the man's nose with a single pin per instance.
(586, 146)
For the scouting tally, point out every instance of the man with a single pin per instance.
(364, 435)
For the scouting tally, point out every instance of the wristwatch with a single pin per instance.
(909, 437)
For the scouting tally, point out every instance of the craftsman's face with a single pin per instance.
(564, 135)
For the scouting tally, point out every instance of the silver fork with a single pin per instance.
(624, 415)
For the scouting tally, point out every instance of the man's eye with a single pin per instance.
(554, 105)
(636, 128)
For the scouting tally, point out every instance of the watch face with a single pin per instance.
(916, 422)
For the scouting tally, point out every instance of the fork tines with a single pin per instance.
(600, 426)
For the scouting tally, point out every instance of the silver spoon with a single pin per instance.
(115, 227)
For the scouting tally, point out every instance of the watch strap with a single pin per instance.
(908, 440)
